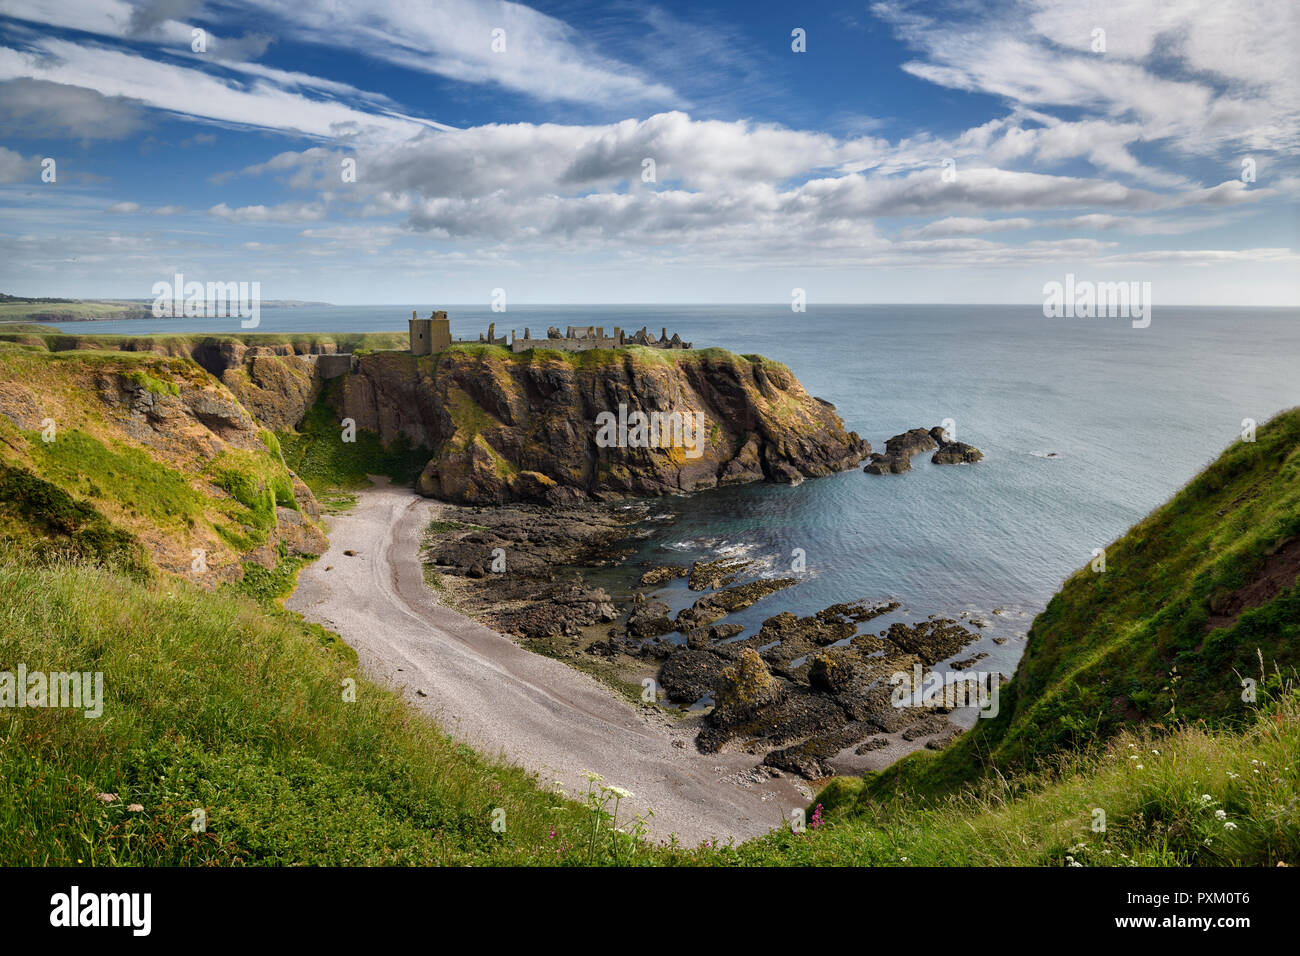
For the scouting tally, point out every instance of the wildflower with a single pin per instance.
(620, 793)
(1233, 776)
(590, 776)
(816, 817)
(134, 808)
(1206, 798)
(1139, 766)
(1229, 825)
(1220, 814)
(1156, 752)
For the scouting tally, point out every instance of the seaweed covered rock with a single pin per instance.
(744, 689)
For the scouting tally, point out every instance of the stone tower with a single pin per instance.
(421, 335)
(430, 335)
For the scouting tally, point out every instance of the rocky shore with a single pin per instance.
(802, 694)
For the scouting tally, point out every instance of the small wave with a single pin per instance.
(1045, 454)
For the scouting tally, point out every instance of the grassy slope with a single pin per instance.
(225, 506)
(1160, 794)
(1133, 644)
(214, 701)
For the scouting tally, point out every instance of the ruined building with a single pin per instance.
(434, 334)
(430, 335)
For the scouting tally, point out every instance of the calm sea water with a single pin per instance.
(1131, 415)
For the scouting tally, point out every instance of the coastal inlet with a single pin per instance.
(806, 695)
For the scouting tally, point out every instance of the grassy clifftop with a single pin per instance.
(1197, 597)
(143, 461)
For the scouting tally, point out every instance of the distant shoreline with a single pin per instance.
(19, 309)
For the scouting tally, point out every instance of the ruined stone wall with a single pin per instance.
(565, 345)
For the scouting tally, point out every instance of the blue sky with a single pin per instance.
(914, 152)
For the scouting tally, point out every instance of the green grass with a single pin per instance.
(56, 525)
(214, 703)
(1151, 788)
(332, 467)
(157, 386)
(69, 311)
(128, 476)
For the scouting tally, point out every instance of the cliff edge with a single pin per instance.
(553, 427)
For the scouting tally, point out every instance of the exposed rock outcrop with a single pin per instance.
(957, 453)
(523, 427)
(899, 450)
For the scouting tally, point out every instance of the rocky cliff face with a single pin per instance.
(165, 454)
(528, 427)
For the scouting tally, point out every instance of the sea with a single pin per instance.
(1086, 426)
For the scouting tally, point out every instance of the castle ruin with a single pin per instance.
(434, 334)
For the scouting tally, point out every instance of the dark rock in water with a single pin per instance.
(663, 574)
(700, 637)
(799, 759)
(938, 743)
(811, 758)
(649, 619)
(900, 449)
(931, 641)
(910, 443)
(888, 465)
(898, 452)
(744, 688)
(830, 672)
(956, 453)
(798, 716)
(710, 575)
(689, 675)
(563, 610)
(719, 604)
(926, 727)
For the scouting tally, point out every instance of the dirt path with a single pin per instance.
(507, 702)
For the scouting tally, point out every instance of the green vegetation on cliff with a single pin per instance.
(332, 467)
(214, 703)
(1193, 598)
(1190, 797)
(146, 455)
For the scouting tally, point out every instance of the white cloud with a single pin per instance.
(191, 92)
(15, 167)
(288, 212)
(544, 57)
(1235, 85)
